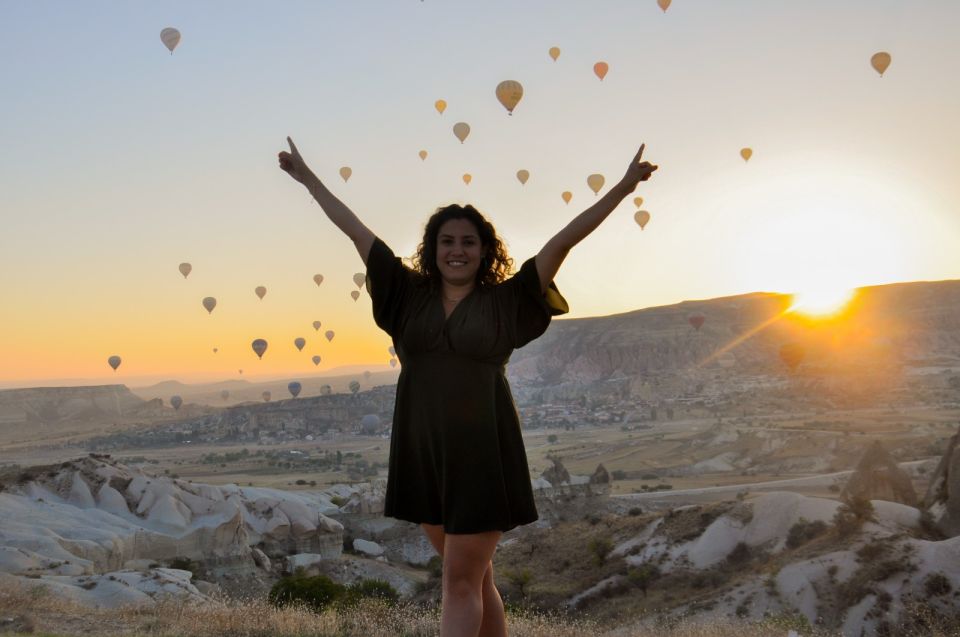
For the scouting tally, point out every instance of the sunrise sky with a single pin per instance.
(118, 161)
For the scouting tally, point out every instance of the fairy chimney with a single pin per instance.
(877, 477)
(943, 495)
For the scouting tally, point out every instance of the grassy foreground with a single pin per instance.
(35, 611)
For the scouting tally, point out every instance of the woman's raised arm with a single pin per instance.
(335, 209)
(552, 254)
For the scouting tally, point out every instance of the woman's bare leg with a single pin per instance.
(493, 623)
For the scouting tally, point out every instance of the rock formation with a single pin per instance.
(877, 477)
(943, 495)
(600, 476)
(557, 474)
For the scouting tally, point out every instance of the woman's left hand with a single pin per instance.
(637, 171)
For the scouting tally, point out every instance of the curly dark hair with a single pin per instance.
(496, 264)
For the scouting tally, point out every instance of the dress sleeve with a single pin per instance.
(530, 309)
(389, 285)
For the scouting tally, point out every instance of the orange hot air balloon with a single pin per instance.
(467, 178)
(114, 362)
(641, 217)
(566, 196)
(461, 130)
(354, 295)
(523, 176)
(792, 354)
(663, 4)
(423, 154)
(638, 201)
(554, 52)
(209, 303)
(880, 61)
(345, 172)
(318, 279)
(440, 105)
(316, 325)
(261, 291)
(600, 69)
(509, 92)
(696, 320)
(595, 182)
(746, 153)
(185, 269)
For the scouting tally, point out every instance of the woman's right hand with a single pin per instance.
(293, 163)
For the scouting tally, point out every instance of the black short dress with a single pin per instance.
(456, 454)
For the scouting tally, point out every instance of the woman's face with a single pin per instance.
(459, 251)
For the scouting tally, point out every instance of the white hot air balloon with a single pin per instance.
(170, 38)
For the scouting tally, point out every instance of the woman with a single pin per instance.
(458, 466)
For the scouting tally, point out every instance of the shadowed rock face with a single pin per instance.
(877, 477)
(600, 476)
(943, 495)
(556, 474)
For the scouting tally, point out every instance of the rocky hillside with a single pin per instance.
(55, 405)
(884, 332)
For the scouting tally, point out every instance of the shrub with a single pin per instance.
(851, 515)
(600, 548)
(368, 588)
(937, 584)
(315, 592)
(520, 579)
(635, 511)
(642, 576)
(804, 531)
(338, 501)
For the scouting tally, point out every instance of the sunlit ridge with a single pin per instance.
(821, 302)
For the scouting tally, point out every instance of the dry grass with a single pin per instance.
(33, 610)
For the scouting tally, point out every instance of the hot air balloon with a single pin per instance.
(393, 362)
(240, 371)
(185, 269)
(259, 346)
(467, 178)
(354, 295)
(880, 61)
(354, 386)
(664, 4)
(325, 390)
(366, 375)
(329, 335)
(638, 201)
(595, 182)
(266, 396)
(176, 401)
(345, 172)
(792, 354)
(261, 291)
(392, 351)
(225, 394)
(114, 362)
(600, 69)
(461, 130)
(299, 342)
(641, 217)
(440, 105)
(209, 302)
(318, 279)
(696, 320)
(170, 38)
(566, 196)
(554, 52)
(215, 350)
(294, 388)
(359, 279)
(523, 176)
(509, 92)
(746, 153)
(316, 325)
(423, 154)
(316, 360)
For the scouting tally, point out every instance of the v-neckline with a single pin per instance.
(443, 310)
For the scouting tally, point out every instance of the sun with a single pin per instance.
(821, 302)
